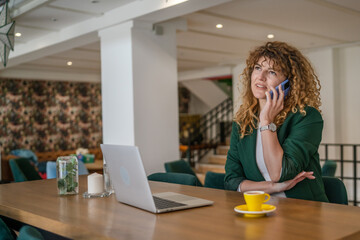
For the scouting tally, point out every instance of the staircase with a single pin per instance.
(214, 163)
(208, 134)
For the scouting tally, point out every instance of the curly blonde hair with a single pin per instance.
(304, 84)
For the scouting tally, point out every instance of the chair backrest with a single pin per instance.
(25, 153)
(29, 233)
(179, 178)
(329, 168)
(50, 169)
(82, 168)
(22, 170)
(180, 166)
(214, 180)
(335, 190)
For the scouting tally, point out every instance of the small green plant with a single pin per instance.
(67, 175)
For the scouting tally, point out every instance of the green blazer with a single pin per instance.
(299, 137)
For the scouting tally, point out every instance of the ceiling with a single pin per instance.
(306, 24)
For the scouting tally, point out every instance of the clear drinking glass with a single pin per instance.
(67, 174)
(107, 182)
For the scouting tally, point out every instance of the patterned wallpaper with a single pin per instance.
(49, 116)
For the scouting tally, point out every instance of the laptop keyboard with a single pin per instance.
(161, 203)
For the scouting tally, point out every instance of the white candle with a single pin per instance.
(95, 183)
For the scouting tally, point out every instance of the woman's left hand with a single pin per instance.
(287, 185)
(272, 107)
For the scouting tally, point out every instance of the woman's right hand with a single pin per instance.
(283, 186)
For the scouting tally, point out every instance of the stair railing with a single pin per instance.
(209, 131)
(346, 157)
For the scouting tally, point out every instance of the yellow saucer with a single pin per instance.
(265, 208)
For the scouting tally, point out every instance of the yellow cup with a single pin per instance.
(254, 200)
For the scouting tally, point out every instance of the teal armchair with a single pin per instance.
(179, 178)
(29, 233)
(5, 232)
(214, 180)
(329, 168)
(23, 170)
(335, 190)
(181, 166)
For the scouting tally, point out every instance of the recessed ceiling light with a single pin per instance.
(69, 63)
(270, 36)
(219, 25)
(17, 34)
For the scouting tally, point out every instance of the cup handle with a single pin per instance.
(268, 197)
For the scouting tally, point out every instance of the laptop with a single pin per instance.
(131, 186)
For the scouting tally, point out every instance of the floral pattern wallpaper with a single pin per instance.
(49, 116)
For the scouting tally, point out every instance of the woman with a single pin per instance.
(275, 140)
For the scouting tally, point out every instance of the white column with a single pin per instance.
(139, 90)
(237, 85)
(323, 63)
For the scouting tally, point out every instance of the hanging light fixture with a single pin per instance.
(7, 28)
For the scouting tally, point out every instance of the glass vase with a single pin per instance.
(67, 174)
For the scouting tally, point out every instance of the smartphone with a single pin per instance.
(285, 86)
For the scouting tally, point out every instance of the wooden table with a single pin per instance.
(37, 203)
(96, 166)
